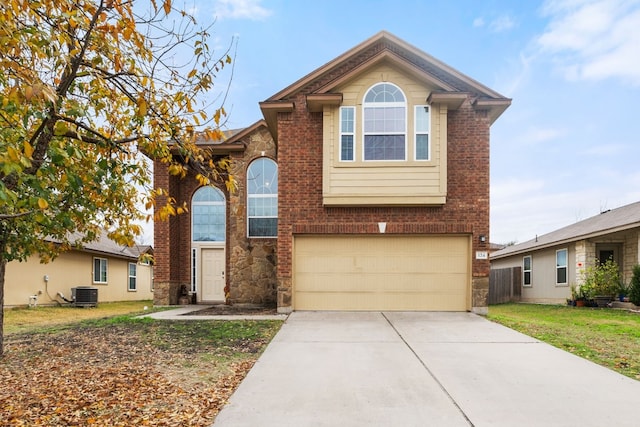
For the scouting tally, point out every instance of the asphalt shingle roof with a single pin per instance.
(609, 221)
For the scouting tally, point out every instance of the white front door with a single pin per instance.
(212, 280)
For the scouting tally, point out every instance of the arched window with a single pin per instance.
(208, 216)
(385, 123)
(262, 194)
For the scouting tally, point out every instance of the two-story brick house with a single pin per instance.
(366, 187)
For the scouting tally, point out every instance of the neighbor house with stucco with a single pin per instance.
(115, 272)
(554, 262)
(364, 187)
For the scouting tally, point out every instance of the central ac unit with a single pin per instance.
(84, 296)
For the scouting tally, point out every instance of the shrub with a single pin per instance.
(634, 286)
(601, 279)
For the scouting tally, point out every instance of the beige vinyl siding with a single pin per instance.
(384, 182)
(72, 269)
(383, 272)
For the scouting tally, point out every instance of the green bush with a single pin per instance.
(601, 279)
(634, 286)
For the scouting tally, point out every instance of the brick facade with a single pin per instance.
(260, 271)
(300, 203)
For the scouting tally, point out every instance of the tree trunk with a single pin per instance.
(3, 267)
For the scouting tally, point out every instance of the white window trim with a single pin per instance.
(129, 276)
(365, 105)
(566, 267)
(106, 268)
(416, 133)
(343, 133)
(530, 271)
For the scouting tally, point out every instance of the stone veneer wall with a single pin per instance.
(251, 261)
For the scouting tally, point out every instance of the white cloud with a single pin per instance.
(241, 9)
(497, 25)
(502, 23)
(594, 39)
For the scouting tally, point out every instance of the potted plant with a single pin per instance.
(581, 294)
(623, 290)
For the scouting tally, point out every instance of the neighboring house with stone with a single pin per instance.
(365, 187)
(553, 262)
(117, 272)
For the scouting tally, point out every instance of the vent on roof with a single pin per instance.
(84, 296)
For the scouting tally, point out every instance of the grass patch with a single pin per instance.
(608, 337)
(17, 320)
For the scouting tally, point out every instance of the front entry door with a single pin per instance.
(212, 280)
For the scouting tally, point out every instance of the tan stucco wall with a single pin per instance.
(72, 269)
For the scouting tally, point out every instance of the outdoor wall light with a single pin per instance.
(483, 238)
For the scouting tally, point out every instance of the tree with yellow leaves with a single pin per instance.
(86, 88)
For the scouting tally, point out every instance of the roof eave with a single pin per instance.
(560, 242)
(270, 110)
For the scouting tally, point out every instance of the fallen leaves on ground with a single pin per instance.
(115, 376)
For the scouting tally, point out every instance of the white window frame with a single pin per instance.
(344, 132)
(256, 196)
(134, 277)
(525, 271)
(366, 105)
(103, 262)
(565, 266)
(417, 132)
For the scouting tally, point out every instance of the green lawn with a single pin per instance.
(605, 336)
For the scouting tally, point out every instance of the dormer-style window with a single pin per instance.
(385, 123)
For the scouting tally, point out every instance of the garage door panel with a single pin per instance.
(381, 273)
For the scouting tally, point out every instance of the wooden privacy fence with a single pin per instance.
(505, 285)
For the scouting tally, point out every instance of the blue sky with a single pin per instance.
(567, 147)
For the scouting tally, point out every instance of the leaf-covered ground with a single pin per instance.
(132, 373)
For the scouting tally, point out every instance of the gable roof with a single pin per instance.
(607, 222)
(231, 140)
(103, 245)
(385, 46)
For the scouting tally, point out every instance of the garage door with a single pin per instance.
(381, 273)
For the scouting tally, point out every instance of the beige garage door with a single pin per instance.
(381, 273)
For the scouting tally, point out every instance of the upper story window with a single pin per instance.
(422, 127)
(262, 194)
(347, 133)
(385, 123)
(208, 215)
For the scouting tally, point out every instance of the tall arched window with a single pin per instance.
(208, 216)
(262, 194)
(385, 123)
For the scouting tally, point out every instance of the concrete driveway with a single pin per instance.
(423, 369)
